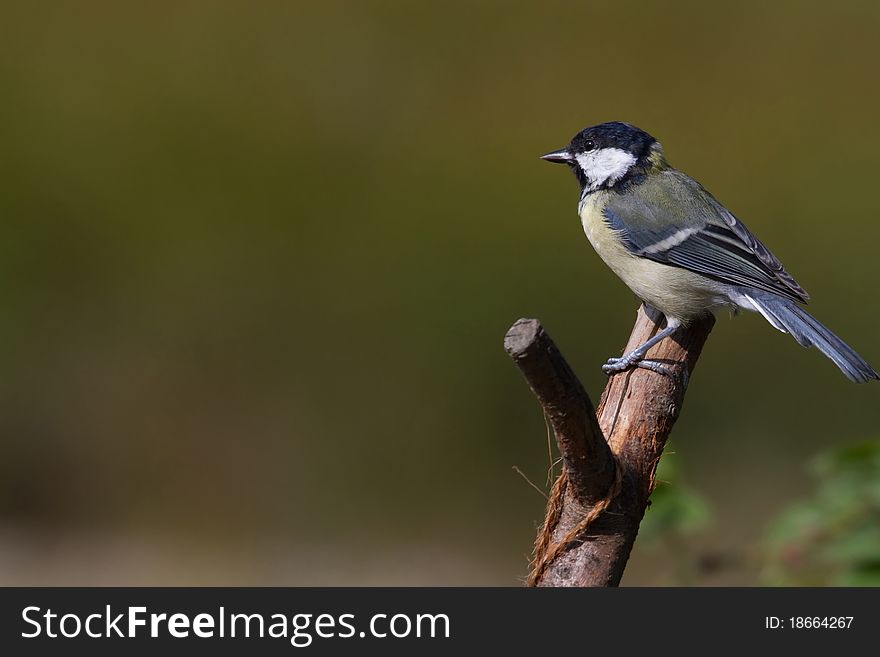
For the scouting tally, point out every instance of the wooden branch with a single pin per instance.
(587, 457)
(610, 456)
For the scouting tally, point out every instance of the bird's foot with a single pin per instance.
(656, 366)
(619, 364)
(615, 365)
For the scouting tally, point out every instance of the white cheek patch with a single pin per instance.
(604, 166)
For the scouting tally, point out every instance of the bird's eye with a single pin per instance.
(589, 145)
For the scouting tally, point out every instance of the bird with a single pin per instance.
(679, 250)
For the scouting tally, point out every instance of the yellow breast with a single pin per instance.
(677, 293)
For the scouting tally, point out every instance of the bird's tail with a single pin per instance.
(789, 317)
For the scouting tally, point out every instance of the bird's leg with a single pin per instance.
(637, 355)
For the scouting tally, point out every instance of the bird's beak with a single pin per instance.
(559, 157)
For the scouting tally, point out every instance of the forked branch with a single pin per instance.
(610, 455)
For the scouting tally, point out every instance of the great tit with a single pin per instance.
(679, 249)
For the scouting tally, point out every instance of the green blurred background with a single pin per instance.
(257, 260)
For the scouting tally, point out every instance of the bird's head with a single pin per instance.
(607, 154)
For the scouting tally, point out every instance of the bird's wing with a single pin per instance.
(670, 218)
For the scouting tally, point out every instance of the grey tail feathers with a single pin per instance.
(789, 317)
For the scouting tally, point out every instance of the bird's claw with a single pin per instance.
(615, 365)
(657, 367)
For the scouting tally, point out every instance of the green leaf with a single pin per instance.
(675, 509)
(833, 537)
